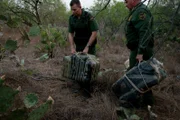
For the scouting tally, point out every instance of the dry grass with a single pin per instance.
(44, 79)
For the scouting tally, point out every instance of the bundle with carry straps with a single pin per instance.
(139, 80)
(81, 67)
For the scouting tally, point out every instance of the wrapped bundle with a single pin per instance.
(81, 67)
(139, 80)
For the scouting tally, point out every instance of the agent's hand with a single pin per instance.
(86, 49)
(139, 57)
(73, 51)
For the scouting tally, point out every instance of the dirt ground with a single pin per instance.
(45, 79)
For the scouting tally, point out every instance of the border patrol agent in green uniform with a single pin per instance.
(82, 30)
(139, 37)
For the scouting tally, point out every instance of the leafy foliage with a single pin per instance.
(33, 12)
(166, 17)
(50, 38)
(7, 96)
(4, 18)
(16, 13)
(34, 31)
(13, 22)
(111, 19)
(53, 12)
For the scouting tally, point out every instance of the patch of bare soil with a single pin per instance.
(44, 79)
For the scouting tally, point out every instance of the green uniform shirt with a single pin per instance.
(138, 29)
(82, 27)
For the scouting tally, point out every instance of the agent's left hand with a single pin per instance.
(139, 57)
(86, 49)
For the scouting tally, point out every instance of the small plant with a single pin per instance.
(7, 96)
(39, 112)
(10, 45)
(50, 38)
(28, 112)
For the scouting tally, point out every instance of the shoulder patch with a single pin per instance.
(142, 16)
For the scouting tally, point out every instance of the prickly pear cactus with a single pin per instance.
(34, 31)
(11, 45)
(7, 96)
(30, 100)
(39, 112)
(19, 114)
